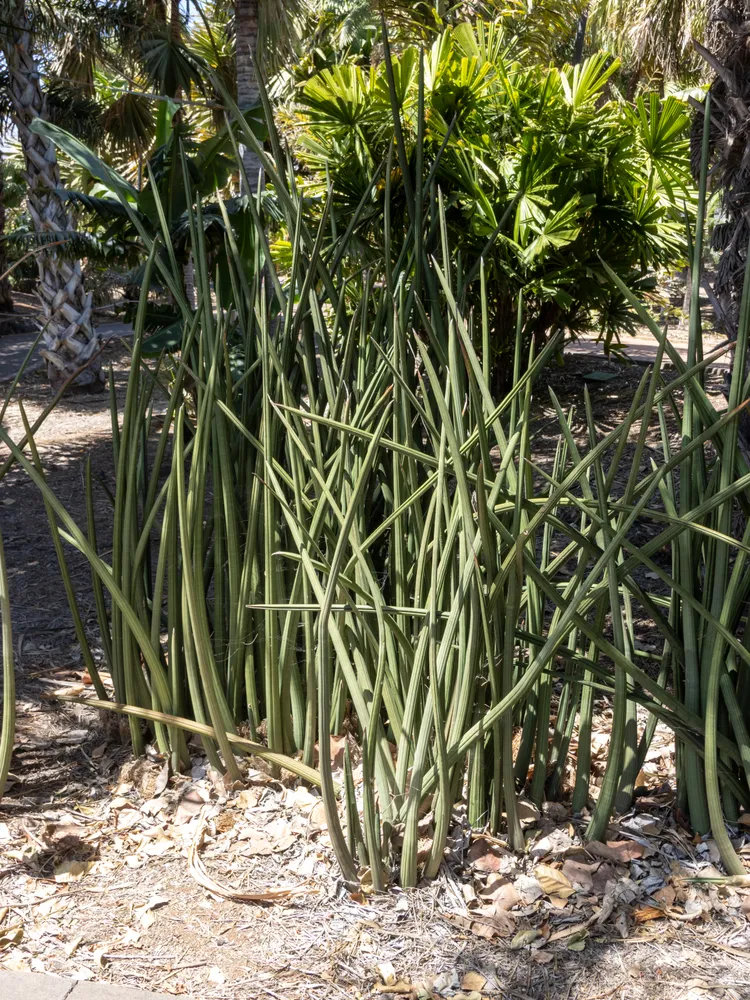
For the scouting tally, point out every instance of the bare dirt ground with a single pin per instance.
(111, 870)
(25, 312)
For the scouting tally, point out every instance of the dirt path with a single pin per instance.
(14, 347)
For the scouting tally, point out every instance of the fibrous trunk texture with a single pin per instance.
(248, 90)
(70, 341)
(6, 298)
(729, 138)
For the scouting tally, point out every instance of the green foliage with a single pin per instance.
(562, 176)
(179, 172)
(169, 65)
(337, 524)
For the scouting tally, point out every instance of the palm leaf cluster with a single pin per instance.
(654, 37)
(560, 175)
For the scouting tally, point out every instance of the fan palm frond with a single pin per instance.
(129, 123)
(170, 65)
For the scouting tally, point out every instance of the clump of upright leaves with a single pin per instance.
(338, 527)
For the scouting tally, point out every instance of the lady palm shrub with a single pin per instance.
(548, 164)
(335, 526)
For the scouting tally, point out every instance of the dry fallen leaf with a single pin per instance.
(11, 935)
(528, 813)
(524, 938)
(72, 871)
(152, 807)
(503, 894)
(643, 913)
(665, 896)
(190, 805)
(590, 877)
(528, 889)
(128, 818)
(16, 963)
(248, 798)
(72, 947)
(619, 851)
(487, 857)
(162, 780)
(145, 913)
(553, 881)
(64, 834)
(55, 904)
(543, 957)
(474, 981)
(559, 902)
(338, 749)
(82, 973)
(498, 925)
(318, 819)
(301, 799)
(201, 876)
(568, 932)
(255, 844)
(558, 841)
(578, 941)
(386, 972)
(579, 873)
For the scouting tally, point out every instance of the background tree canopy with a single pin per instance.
(544, 161)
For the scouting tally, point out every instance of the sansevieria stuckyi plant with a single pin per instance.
(336, 526)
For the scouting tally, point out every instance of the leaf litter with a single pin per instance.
(185, 885)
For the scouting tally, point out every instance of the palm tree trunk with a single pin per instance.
(248, 90)
(580, 39)
(70, 340)
(730, 100)
(175, 21)
(6, 298)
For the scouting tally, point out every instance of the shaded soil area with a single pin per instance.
(24, 316)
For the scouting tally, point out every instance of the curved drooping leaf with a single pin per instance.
(84, 157)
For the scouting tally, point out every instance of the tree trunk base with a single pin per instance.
(90, 380)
